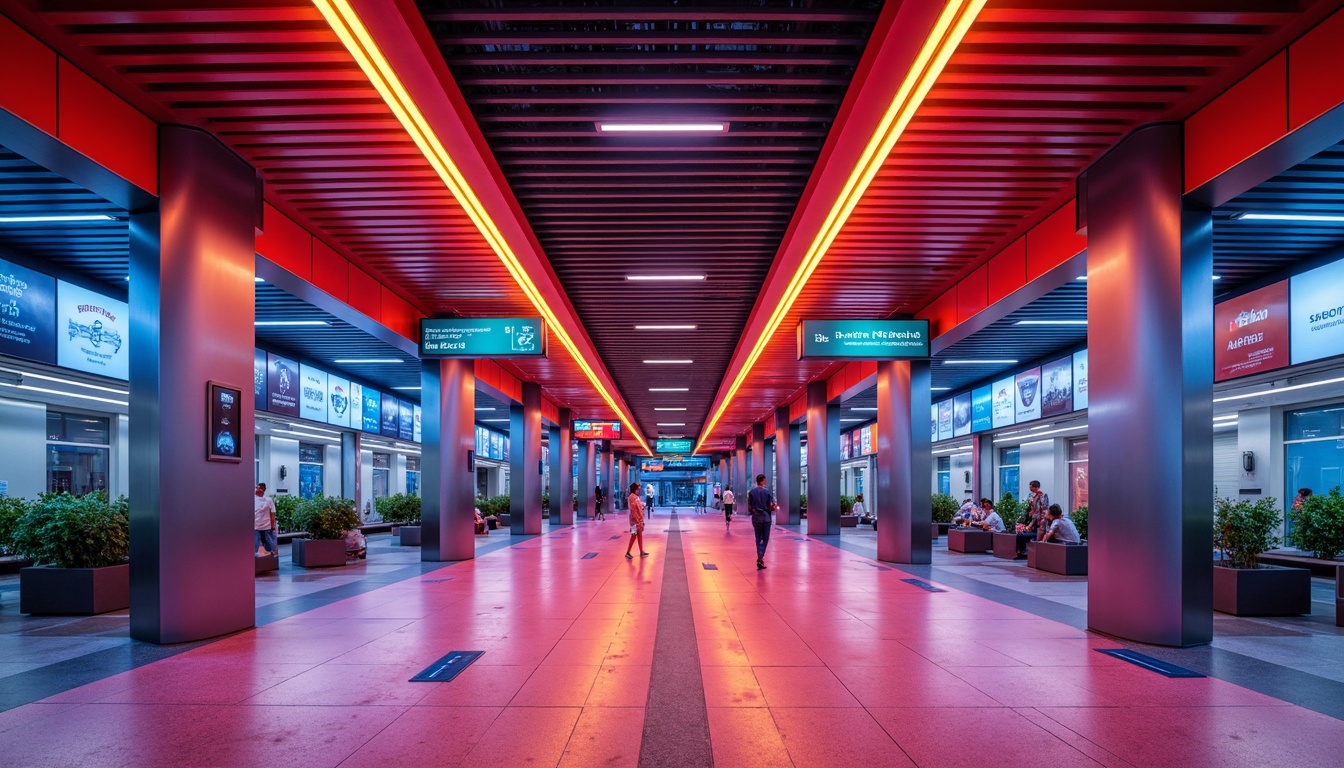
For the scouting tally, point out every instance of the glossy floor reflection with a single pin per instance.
(822, 659)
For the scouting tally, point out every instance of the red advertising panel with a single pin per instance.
(1251, 332)
(597, 430)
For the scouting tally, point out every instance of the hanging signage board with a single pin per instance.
(1251, 332)
(863, 339)
(92, 331)
(597, 430)
(673, 446)
(488, 337)
(27, 313)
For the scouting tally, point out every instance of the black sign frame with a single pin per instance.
(215, 421)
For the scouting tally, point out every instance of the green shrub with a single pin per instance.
(286, 513)
(1319, 525)
(327, 517)
(401, 508)
(74, 531)
(944, 507)
(493, 506)
(1079, 517)
(1243, 530)
(11, 509)
(1008, 508)
(802, 500)
(846, 504)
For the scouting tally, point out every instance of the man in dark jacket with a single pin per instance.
(762, 507)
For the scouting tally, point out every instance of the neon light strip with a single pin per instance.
(343, 20)
(942, 42)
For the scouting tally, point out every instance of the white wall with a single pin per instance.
(284, 451)
(961, 464)
(23, 447)
(1039, 461)
(331, 471)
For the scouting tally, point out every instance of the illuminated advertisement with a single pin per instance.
(224, 435)
(356, 406)
(961, 415)
(982, 409)
(863, 339)
(1004, 415)
(415, 432)
(1080, 380)
(482, 441)
(259, 379)
(866, 436)
(312, 393)
(338, 401)
(597, 430)
(496, 445)
(405, 420)
(1027, 395)
(933, 419)
(1057, 387)
(945, 420)
(372, 411)
(91, 332)
(482, 337)
(282, 385)
(844, 445)
(1250, 333)
(391, 417)
(27, 313)
(1317, 324)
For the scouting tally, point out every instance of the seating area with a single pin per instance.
(1064, 559)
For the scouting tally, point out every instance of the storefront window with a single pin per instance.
(1010, 471)
(1077, 474)
(413, 475)
(78, 451)
(310, 471)
(1313, 451)
(382, 474)
(944, 474)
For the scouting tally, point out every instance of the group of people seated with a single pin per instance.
(1053, 526)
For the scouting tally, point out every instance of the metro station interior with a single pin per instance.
(515, 281)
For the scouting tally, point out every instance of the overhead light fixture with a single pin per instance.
(1322, 218)
(1041, 434)
(56, 218)
(669, 389)
(309, 435)
(665, 327)
(493, 421)
(605, 126)
(669, 362)
(314, 429)
(864, 409)
(1277, 390)
(1081, 277)
(482, 410)
(670, 424)
(851, 421)
(258, 280)
(287, 323)
(46, 391)
(355, 36)
(1229, 417)
(979, 362)
(1051, 322)
(367, 361)
(948, 30)
(410, 389)
(1217, 277)
(664, 278)
(939, 389)
(21, 375)
(669, 409)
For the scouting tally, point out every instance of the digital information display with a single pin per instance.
(1250, 333)
(1057, 387)
(416, 416)
(27, 313)
(597, 430)
(489, 337)
(259, 379)
(1028, 395)
(338, 401)
(282, 385)
(391, 417)
(863, 339)
(224, 434)
(673, 446)
(961, 415)
(1080, 380)
(312, 393)
(405, 420)
(1002, 404)
(982, 409)
(91, 332)
(845, 441)
(945, 420)
(1317, 324)
(371, 420)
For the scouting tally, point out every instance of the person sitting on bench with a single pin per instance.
(1062, 529)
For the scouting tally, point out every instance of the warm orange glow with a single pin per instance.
(357, 40)
(942, 42)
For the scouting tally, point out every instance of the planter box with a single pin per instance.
(506, 519)
(409, 535)
(849, 521)
(1339, 596)
(1064, 559)
(266, 564)
(314, 553)
(969, 540)
(1269, 590)
(81, 591)
(1005, 545)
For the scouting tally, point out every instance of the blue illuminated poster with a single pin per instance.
(91, 332)
(1080, 380)
(844, 446)
(416, 432)
(934, 421)
(391, 417)
(1001, 403)
(27, 313)
(945, 420)
(405, 420)
(373, 403)
(961, 414)
(496, 446)
(312, 393)
(1316, 314)
(982, 409)
(259, 379)
(282, 385)
(338, 401)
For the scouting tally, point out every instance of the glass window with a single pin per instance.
(76, 469)
(310, 471)
(1314, 423)
(382, 461)
(944, 464)
(1313, 451)
(382, 474)
(75, 428)
(1010, 473)
(1077, 474)
(413, 475)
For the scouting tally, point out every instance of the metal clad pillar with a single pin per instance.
(351, 487)
(608, 477)
(740, 484)
(447, 503)
(1150, 416)
(192, 306)
(623, 481)
(758, 463)
(585, 476)
(562, 467)
(904, 463)
(982, 460)
(788, 472)
(823, 463)
(525, 471)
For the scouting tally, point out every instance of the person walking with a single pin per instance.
(650, 493)
(728, 500)
(762, 506)
(600, 512)
(636, 523)
(263, 518)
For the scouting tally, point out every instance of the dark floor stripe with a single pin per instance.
(676, 723)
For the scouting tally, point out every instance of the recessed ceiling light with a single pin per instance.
(863, 409)
(939, 389)
(1051, 322)
(850, 421)
(1309, 217)
(484, 409)
(664, 327)
(669, 389)
(55, 218)
(669, 409)
(258, 280)
(368, 361)
(668, 362)
(1217, 277)
(671, 424)
(282, 323)
(979, 362)
(493, 421)
(411, 389)
(665, 278)
(1081, 277)
(1276, 390)
(662, 127)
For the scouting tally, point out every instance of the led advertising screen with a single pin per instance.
(415, 432)
(673, 446)
(91, 332)
(961, 414)
(982, 409)
(27, 313)
(496, 445)
(224, 437)
(373, 410)
(482, 337)
(405, 420)
(933, 419)
(866, 437)
(1002, 407)
(1080, 380)
(391, 417)
(481, 440)
(282, 385)
(1057, 387)
(844, 445)
(338, 401)
(597, 430)
(259, 379)
(1027, 395)
(945, 420)
(312, 393)
(356, 406)
(863, 339)
(1250, 333)
(1317, 324)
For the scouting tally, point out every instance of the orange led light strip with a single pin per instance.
(345, 22)
(947, 33)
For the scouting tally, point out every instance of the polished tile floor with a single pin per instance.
(825, 658)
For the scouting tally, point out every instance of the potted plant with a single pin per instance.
(1318, 527)
(1079, 518)
(1242, 531)
(79, 545)
(802, 505)
(944, 509)
(326, 519)
(286, 513)
(400, 510)
(11, 508)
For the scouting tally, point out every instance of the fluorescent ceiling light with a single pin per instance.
(410, 389)
(1081, 277)
(669, 409)
(1277, 390)
(314, 429)
(55, 218)
(846, 421)
(979, 362)
(258, 280)
(1051, 322)
(863, 409)
(1229, 417)
(309, 435)
(284, 323)
(671, 424)
(1006, 439)
(662, 127)
(669, 389)
(664, 327)
(43, 390)
(939, 389)
(478, 410)
(669, 362)
(1317, 217)
(59, 380)
(665, 278)
(367, 361)
(1217, 277)
(493, 421)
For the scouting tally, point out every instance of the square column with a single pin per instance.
(587, 478)
(740, 483)
(823, 463)
(525, 470)
(608, 478)
(982, 462)
(192, 305)
(788, 469)
(904, 463)
(1150, 416)
(448, 500)
(351, 486)
(759, 466)
(562, 468)
(622, 481)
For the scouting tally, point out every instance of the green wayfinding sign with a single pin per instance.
(482, 337)
(673, 446)
(863, 339)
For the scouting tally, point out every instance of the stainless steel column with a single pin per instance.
(608, 477)
(788, 470)
(759, 466)
(191, 312)
(585, 477)
(525, 475)
(1150, 416)
(622, 488)
(904, 463)
(823, 463)
(351, 487)
(447, 506)
(562, 468)
(982, 460)
(740, 484)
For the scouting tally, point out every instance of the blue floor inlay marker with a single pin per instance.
(924, 585)
(613, 538)
(448, 667)
(709, 566)
(1148, 662)
(878, 567)
(589, 556)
